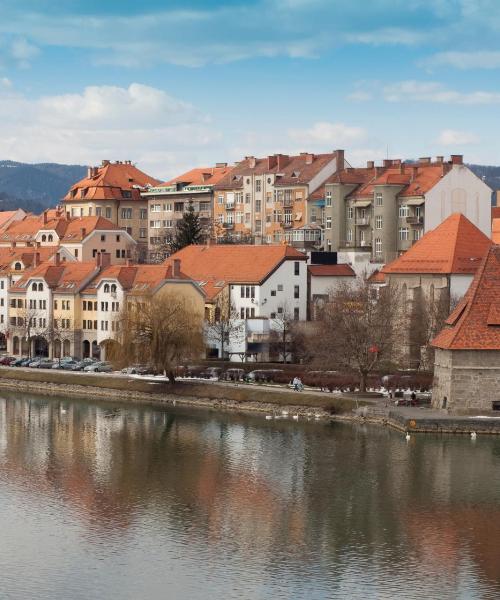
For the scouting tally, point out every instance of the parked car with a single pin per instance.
(138, 370)
(7, 360)
(234, 374)
(211, 373)
(45, 363)
(19, 362)
(99, 367)
(34, 362)
(263, 375)
(81, 364)
(66, 365)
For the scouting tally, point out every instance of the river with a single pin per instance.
(108, 501)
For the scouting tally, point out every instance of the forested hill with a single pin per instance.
(35, 187)
(491, 175)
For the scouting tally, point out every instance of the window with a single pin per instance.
(34, 287)
(17, 266)
(378, 246)
(296, 268)
(280, 287)
(349, 235)
(296, 291)
(379, 199)
(378, 222)
(44, 238)
(242, 312)
(108, 212)
(417, 234)
(155, 207)
(273, 315)
(126, 213)
(126, 194)
(98, 211)
(247, 198)
(273, 292)
(106, 288)
(280, 310)
(404, 233)
(328, 223)
(103, 238)
(76, 252)
(143, 214)
(258, 185)
(257, 206)
(143, 233)
(350, 212)
(40, 287)
(418, 211)
(296, 313)
(404, 211)
(113, 288)
(328, 198)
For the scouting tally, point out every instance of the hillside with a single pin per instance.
(491, 175)
(35, 187)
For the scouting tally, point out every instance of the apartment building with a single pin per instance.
(381, 211)
(168, 201)
(265, 200)
(68, 308)
(113, 191)
(259, 286)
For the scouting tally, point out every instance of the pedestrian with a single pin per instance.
(295, 383)
(413, 398)
(300, 385)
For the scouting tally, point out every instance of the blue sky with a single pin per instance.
(175, 84)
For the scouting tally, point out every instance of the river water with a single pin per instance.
(104, 501)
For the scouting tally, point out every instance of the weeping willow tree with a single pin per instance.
(162, 331)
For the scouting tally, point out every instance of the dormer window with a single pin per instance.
(106, 288)
(126, 194)
(44, 238)
(17, 266)
(113, 288)
(40, 287)
(51, 237)
(34, 287)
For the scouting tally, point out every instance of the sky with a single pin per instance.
(175, 84)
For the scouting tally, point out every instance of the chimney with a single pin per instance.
(440, 159)
(36, 259)
(105, 259)
(251, 161)
(105, 163)
(370, 164)
(309, 158)
(424, 160)
(271, 162)
(221, 165)
(83, 232)
(176, 270)
(283, 160)
(414, 172)
(457, 159)
(57, 259)
(340, 159)
(90, 172)
(387, 163)
(45, 217)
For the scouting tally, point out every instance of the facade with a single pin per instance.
(432, 276)
(382, 211)
(257, 287)
(72, 308)
(113, 191)
(323, 280)
(467, 350)
(266, 200)
(168, 201)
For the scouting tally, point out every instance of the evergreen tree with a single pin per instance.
(188, 230)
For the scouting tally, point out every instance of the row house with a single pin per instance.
(113, 191)
(382, 211)
(258, 288)
(73, 308)
(168, 202)
(265, 200)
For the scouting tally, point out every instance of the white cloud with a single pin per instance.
(140, 123)
(5, 82)
(327, 135)
(431, 91)
(23, 52)
(463, 60)
(453, 137)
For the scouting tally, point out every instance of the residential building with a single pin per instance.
(467, 350)
(381, 212)
(433, 275)
(261, 287)
(265, 200)
(8, 216)
(168, 202)
(323, 280)
(113, 191)
(72, 308)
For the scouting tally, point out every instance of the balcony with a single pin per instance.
(364, 245)
(228, 225)
(362, 221)
(229, 205)
(415, 220)
(288, 202)
(287, 224)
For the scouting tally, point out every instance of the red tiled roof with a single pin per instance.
(6, 215)
(26, 229)
(109, 181)
(26, 255)
(201, 176)
(74, 229)
(353, 176)
(495, 212)
(377, 277)
(475, 323)
(455, 246)
(221, 264)
(495, 230)
(65, 277)
(342, 270)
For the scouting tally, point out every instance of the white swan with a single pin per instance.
(407, 437)
(269, 417)
(473, 435)
(295, 417)
(284, 413)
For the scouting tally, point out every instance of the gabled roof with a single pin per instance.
(7, 215)
(377, 277)
(495, 230)
(201, 176)
(216, 266)
(475, 322)
(342, 270)
(353, 176)
(108, 181)
(79, 228)
(63, 277)
(455, 246)
(26, 255)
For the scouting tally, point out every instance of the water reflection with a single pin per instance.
(106, 501)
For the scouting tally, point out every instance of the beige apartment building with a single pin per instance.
(113, 191)
(381, 211)
(265, 200)
(168, 202)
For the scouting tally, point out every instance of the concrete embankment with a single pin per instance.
(211, 395)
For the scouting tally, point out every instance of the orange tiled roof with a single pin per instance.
(221, 264)
(455, 246)
(26, 229)
(475, 322)
(201, 176)
(495, 230)
(108, 181)
(377, 277)
(65, 277)
(495, 212)
(78, 228)
(342, 270)
(353, 175)
(26, 255)
(6, 215)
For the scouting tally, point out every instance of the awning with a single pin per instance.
(415, 201)
(362, 203)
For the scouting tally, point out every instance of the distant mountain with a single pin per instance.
(35, 187)
(490, 175)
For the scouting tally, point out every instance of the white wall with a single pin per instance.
(107, 316)
(459, 191)
(324, 285)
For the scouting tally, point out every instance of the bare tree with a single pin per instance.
(61, 330)
(30, 324)
(283, 334)
(163, 331)
(225, 325)
(357, 329)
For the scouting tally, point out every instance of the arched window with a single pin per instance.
(106, 288)
(44, 238)
(34, 287)
(17, 266)
(40, 287)
(51, 237)
(113, 288)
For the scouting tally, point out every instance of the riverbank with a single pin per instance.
(206, 395)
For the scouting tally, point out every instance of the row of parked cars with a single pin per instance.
(66, 363)
(231, 374)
